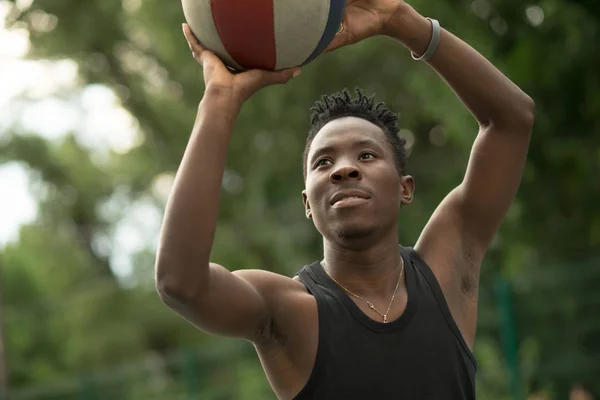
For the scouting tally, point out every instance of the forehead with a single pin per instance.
(345, 131)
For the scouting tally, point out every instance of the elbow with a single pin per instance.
(166, 287)
(516, 117)
(174, 288)
(528, 112)
(523, 114)
(172, 294)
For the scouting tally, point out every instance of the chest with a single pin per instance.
(419, 355)
(410, 364)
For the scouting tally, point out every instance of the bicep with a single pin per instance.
(232, 304)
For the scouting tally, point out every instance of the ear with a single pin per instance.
(407, 190)
(306, 205)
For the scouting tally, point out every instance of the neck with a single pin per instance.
(370, 271)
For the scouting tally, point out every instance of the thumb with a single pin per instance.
(254, 80)
(341, 39)
(279, 77)
(259, 79)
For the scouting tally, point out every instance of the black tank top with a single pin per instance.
(421, 355)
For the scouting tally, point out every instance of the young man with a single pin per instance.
(373, 320)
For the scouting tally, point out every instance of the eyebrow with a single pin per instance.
(331, 149)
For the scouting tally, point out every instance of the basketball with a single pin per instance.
(264, 34)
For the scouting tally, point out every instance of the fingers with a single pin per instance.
(198, 51)
(193, 42)
(204, 57)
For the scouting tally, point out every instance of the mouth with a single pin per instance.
(349, 202)
(349, 198)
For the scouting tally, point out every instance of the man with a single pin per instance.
(373, 320)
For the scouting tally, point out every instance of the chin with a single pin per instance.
(354, 233)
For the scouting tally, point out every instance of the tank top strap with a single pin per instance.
(325, 313)
(328, 303)
(425, 272)
(309, 279)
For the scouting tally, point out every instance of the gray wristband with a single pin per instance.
(435, 40)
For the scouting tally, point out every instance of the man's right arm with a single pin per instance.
(208, 295)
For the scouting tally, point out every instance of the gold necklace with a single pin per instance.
(371, 305)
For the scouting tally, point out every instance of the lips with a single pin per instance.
(348, 194)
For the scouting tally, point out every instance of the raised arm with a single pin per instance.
(461, 229)
(206, 294)
(505, 115)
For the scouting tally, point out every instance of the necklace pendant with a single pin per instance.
(385, 319)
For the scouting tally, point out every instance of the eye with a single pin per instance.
(366, 156)
(321, 162)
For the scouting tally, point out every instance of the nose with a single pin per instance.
(344, 173)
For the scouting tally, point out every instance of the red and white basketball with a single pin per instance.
(265, 34)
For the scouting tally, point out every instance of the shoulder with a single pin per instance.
(270, 284)
(288, 300)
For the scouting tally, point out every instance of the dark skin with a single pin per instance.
(360, 237)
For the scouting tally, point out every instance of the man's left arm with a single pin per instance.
(460, 231)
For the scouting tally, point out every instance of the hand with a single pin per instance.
(239, 85)
(364, 19)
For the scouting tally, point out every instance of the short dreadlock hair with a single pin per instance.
(341, 104)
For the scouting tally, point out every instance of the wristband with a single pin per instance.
(435, 41)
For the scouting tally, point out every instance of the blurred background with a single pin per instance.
(97, 99)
